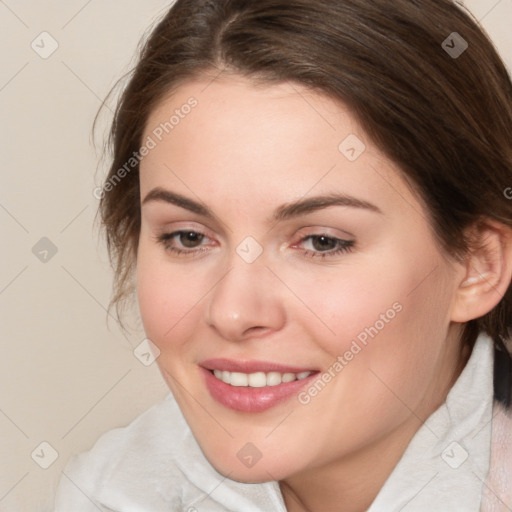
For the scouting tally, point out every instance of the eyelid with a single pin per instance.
(308, 231)
(179, 226)
(163, 216)
(168, 235)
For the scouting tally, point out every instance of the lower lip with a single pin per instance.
(247, 399)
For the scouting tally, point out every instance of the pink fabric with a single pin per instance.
(497, 495)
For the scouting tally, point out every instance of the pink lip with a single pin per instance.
(232, 365)
(247, 399)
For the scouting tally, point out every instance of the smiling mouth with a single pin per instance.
(253, 386)
(258, 379)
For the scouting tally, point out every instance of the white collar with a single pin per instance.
(446, 463)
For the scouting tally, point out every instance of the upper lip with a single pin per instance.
(233, 365)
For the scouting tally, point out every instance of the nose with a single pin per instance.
(245, 303)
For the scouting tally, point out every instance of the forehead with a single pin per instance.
(232, 140)
(268, 117)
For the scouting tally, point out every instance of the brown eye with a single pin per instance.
(323, 243)
(325, 246)
(190, 239)
(183, 242)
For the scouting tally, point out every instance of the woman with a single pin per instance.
(310, 201)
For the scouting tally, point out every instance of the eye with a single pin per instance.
(323, 243)
(185, 241)
(190, 239)
(324, 246)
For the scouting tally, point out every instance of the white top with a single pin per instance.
(155, 465)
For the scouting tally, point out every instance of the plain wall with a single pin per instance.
(65, 378)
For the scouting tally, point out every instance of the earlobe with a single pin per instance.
(488, 271)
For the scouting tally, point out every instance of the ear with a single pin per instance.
(487, 271)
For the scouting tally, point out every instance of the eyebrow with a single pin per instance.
(310, 205)
(284, 212)
(166, 196)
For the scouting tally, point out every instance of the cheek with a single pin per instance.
(354, 303)
(167, 299)
(396, 290)
(389, 324)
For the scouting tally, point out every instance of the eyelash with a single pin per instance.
(343, 246)
(166, 238)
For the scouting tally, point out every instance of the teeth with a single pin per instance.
(238, 379)
(273, 378)
(258, 379)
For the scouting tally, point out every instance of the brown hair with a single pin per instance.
(444, 118)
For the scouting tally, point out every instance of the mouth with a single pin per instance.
(253, 386)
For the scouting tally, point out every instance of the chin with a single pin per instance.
(263, 470)
(248, 476)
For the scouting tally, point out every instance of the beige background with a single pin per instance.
(65, 378)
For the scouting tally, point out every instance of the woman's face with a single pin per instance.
(290, 280)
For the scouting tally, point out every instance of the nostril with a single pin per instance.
(256, 330)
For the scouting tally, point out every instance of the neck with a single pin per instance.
(352, 484)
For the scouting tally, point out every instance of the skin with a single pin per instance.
(243, 152)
